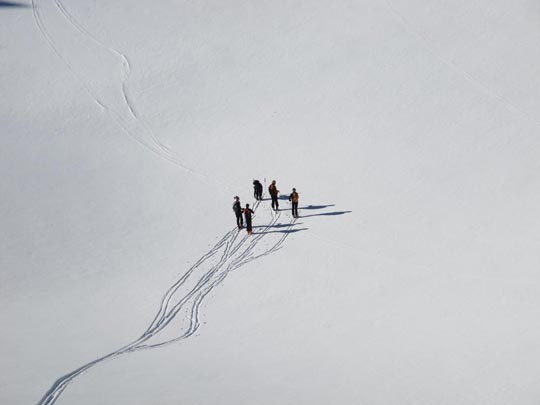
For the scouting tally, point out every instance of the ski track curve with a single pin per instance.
(125, 74)
(126, 115)
(230, 253)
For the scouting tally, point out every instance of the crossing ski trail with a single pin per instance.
(232, 251)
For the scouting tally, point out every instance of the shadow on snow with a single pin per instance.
(325, 214)
(13, 4)
(316, 207)
(284, 231)
(276, 226)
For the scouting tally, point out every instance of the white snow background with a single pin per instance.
(411, 130)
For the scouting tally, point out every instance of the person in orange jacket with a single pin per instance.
(294, 199)
(247, 214)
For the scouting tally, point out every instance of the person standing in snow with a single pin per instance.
(247, 213)
(294, 199)
(272, 189)
(237, 208)
(257, 189)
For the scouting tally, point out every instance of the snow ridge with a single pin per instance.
(187, 294)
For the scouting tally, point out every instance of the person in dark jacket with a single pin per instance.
(293, 198)
(272, 189)
(257, 189)
(247, 213)
(237, 208)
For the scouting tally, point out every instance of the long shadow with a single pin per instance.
(316, 207)
(277, 225)
(12, 4)
(285, 231)
(307, 207)
(325, 214)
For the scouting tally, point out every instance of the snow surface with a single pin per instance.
(410, 129)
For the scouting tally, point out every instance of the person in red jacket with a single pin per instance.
(247, 214)
(272, 189)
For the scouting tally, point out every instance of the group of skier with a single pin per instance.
(247, 212)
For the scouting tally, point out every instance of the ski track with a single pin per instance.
(189, 291)
(126, 70)
(230, 253)
(125, 115)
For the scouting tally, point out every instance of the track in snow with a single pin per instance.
(234, 250)
(63, 33)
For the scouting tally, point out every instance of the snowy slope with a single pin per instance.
(409, 129)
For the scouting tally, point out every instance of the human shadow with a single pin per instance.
(325, 214)
(277, 225)
(13, 4)
(284, 231)
(316, 207)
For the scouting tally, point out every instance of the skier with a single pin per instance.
(257, 189)
(272, 189)
(247, 213)
(294, 199)
(237, 208)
